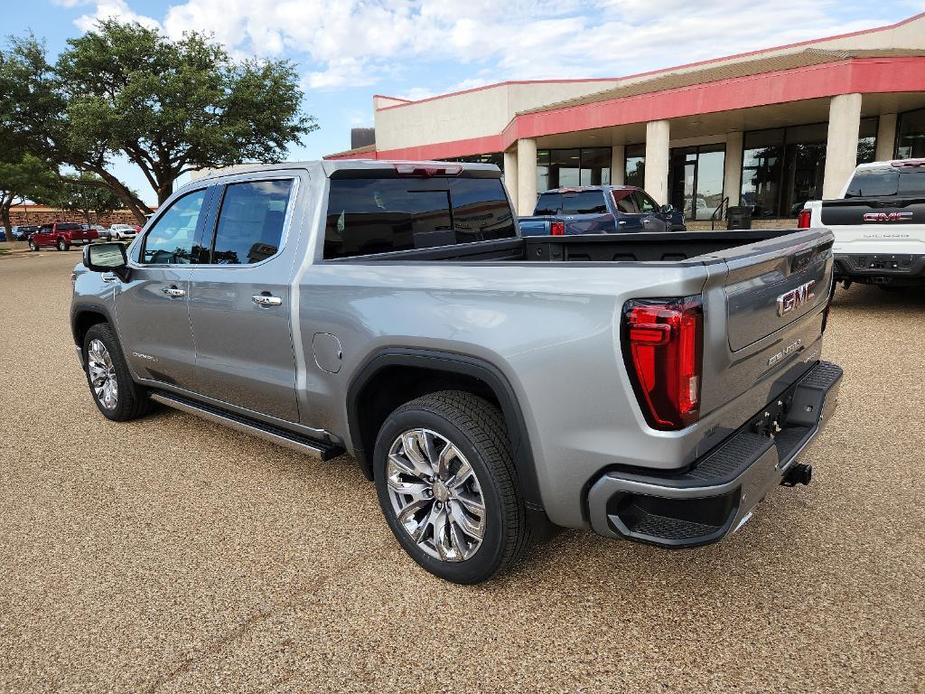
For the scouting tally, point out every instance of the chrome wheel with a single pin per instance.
(436, 495)
(102, 374)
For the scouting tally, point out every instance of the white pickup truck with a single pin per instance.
(879, 224)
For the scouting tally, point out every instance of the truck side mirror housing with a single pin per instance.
(667, 209)
(106, 257)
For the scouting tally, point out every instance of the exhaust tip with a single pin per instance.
(798, 474)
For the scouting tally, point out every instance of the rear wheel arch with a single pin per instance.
(394, 376)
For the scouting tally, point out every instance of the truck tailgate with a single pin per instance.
(884, 226)
(765, 313)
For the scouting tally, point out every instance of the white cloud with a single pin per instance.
(357, 42)
(111, 9)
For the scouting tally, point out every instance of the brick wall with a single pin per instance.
(47, 215)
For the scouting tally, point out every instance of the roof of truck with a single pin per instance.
(581, 189)
(327, 166)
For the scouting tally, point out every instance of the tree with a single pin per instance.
(170, 106)
(22, 176)
(85, 193)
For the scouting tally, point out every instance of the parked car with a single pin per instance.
(599, 210)
(123, 231)
(22, 233)
(484, 382)
(879, 224)
(61, 235)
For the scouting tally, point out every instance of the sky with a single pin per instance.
(345, 51)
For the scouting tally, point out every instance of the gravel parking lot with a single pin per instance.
(170, 554)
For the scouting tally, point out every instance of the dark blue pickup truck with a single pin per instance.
(599, 210)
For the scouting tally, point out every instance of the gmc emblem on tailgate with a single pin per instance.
(795, 298)
(886, 216)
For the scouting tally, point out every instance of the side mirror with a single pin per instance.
(667, 209)
(106, 257)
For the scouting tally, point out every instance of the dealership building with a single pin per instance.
(768, 129)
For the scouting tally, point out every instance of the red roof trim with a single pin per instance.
(862, 75)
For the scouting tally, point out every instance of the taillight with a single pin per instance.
(663, 350)
(804, 219)
(557, 228)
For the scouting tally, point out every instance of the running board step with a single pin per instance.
(282, 437)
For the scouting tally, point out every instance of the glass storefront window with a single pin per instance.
(695, 179)
(784, 167)
(910, 135)
(761, 171)
(711, 164)
(595, 166)
(635, 174)
(562, 168)
(867, 140)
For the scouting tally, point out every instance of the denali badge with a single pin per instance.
(886, 216)
(795, 298)
(785, 352)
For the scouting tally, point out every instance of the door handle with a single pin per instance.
(266, 300)
(173, 291)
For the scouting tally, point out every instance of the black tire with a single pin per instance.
(132, 400)
(33, 246)
(477, 429)
(62, 245)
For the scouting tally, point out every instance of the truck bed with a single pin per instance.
(631, 247)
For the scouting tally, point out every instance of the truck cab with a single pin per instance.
(599, 210)
(61, 235)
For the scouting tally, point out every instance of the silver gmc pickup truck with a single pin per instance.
(651, 386)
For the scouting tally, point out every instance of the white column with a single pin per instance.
(841, 149)
(526, 177)
(886, 137)
(618, 165)
(510, 174)
(656, 182)
(732, 170)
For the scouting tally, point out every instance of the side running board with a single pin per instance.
(282, 437)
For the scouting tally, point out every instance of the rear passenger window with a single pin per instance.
(571, 202)
(378, 215)
(170, 240)
(250, 223)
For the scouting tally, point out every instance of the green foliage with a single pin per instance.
(85, 193)
(169, 106)
(23, 176)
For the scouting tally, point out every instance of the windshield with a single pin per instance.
(893, 181)
(574, 202)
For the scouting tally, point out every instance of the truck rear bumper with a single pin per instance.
(883, 268)
(717, 494)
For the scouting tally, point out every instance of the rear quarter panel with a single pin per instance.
(553, 330)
